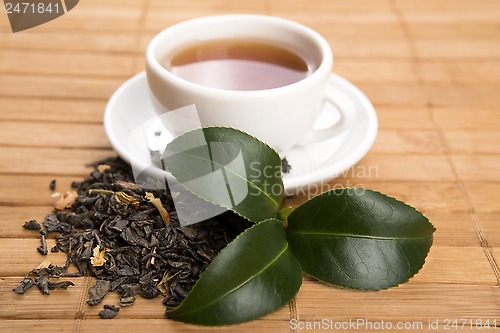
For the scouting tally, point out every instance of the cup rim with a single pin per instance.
(324, 67)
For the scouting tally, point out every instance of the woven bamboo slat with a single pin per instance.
(431, 69)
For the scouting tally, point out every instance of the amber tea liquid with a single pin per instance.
(236, 64)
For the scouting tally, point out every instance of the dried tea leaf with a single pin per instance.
(43, 248)
(42, 282)
(127, 199)
(98, 291)
(150, 292)
(98, 258)
(66, 201)
(24, 285)
(127, 301)
(139, 247)
(32, 225)
(100, 191)
(285, 166)
(130, 289)
(60, 285)
(107, 314)
(131, 237)
(157, 203)
(52, 223)
(128, 185)
(111, 307)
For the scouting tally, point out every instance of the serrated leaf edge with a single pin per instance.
(388, 196)
(372, 289)
(359, 236)
(375, 191)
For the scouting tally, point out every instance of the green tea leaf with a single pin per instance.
(229, 168)
(358, 238)
(253, 275)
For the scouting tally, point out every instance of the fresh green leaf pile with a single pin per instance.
(350, 237)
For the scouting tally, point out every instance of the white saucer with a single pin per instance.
(312, 165)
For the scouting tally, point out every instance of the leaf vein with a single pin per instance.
(339, 235)
(234, 173)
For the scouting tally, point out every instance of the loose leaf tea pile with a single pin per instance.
(252, 257)
(127, 237)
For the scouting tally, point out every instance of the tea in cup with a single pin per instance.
(264, 75)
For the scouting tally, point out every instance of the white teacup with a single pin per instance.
(280, 116)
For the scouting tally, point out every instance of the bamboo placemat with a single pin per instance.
(432, 70)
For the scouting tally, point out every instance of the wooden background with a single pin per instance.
(431, 68)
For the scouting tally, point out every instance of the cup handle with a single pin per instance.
(347, 111)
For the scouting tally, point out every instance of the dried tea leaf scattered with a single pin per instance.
(127, 301)
(285, 166)
(98, 291)
(42, 282)
(127, 199)
(32, 225)
(60, 285)
(42, 249)
(109, 312)
(111, 307)
(24, 285)
(41, 276)
(128, 185)
(115, 230)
